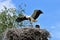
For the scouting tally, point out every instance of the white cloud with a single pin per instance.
(55, 31)
(52, 27)
(6, 3)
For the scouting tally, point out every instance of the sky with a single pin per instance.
(50, 19)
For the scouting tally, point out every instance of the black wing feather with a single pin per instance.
(36, 14)
(19, 19)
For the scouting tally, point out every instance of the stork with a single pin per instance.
(31, 18)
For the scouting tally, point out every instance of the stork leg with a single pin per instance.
(31, 24)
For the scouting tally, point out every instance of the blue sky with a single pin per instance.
(50, 19)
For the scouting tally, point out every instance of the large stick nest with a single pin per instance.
(26, 34)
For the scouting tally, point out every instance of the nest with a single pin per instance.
(26, 34)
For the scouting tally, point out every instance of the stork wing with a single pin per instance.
(21, 18)
(36, 14)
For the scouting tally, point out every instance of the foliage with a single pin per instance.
(7, 18)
